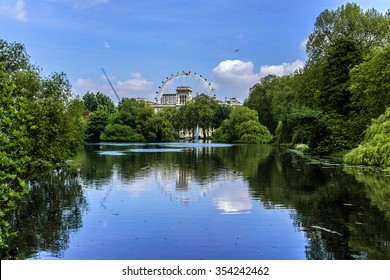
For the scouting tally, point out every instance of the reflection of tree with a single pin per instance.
(244, 159)
(377, 186)
(339, 220)
(343, 217)
(52, 211)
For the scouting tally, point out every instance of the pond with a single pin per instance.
(205, 201)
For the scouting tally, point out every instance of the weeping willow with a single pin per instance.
(374, 150)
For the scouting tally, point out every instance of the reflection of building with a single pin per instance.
(183, 180)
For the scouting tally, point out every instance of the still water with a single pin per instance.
(205, 201)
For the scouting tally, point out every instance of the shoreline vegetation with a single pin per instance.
(337, 104)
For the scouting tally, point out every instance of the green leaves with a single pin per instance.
(13, 150)
(375, 148)
(369, 29)
(242, 126)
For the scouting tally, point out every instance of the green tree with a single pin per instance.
(59, 125)
(370, 84)
(206, 107)
(120, 132)
(14, 55)
(374, 150)
(97, 122)
(341, 57)
(260, 99)
(14, 151)
(160, 129)
(171, 115)
(95, 101)
(221, 113)
(369, 29)
(242, 126)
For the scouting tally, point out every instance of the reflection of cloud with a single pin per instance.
(233, 198)
(134, 188)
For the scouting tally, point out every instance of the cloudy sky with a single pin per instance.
(139, 43)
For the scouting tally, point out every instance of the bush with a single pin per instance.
(121, 133)
(374, 150)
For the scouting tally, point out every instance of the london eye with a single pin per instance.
(197, 82)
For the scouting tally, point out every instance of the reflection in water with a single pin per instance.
(167, 204)
(233, 199)
(52, 211)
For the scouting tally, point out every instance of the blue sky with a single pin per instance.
(140, 43)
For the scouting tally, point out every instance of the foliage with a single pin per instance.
(14, 151)
(97, 122)
(303, 125)
(345, 82)
(160, 129)
(370, 83)
(341, 57)
(15, 56)
(374, 150)
(60, 126)
(368, 29)
(242, 126)
(203, 111)
(57, 131)
(94, 102)
(260, 99)
(120, 132)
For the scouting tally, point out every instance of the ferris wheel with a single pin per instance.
(197, 82)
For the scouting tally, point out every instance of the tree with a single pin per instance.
(171, 115)
(221, 113)
(242, 126)
(269, 98)
(97, 122)
(260, 99)
(369, 29)
(93, 102)
(120, 132)
(374, 150)
(59, 124)
(341, 57)
(370, 83)
(200, 111)
(14, 55)
(14, 151)
(159, 129)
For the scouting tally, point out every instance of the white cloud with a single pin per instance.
(107, 45)
(89, 3)
(85, 84)
(16, 10)
(234, 78)
(303, 44)
(282, 69)
(135, 86)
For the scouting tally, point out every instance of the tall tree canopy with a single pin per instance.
(368, 29)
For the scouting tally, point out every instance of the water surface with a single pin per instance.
(194, 201)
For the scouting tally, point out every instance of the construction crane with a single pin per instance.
(113, 89)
